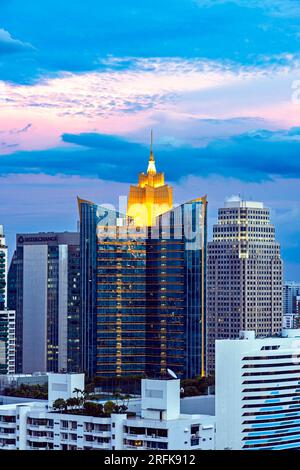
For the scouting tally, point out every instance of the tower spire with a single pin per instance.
(151, 166)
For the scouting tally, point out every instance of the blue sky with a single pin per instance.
(81, 84)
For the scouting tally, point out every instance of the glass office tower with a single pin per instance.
(143, 286)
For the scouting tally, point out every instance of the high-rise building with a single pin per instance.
(7, 341)
(7, 317)
(3, 270)
(143, 283)
(257, 392)
(44, 289)
(244, 274)
(291, 290)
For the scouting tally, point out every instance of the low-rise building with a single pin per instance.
(160, 425)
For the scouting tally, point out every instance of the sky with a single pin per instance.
(82, 84)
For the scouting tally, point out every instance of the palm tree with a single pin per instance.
(77, 391)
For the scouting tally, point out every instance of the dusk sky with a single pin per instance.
(83, 82)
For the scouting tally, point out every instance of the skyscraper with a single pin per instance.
(244, 274)
(7, 317)
(143, 283)
(7, 341)
(3, 270)
(44, 285)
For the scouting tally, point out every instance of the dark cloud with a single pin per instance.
(251, 157)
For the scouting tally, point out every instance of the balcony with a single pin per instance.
(137, 437)
(8, 447)
(98, 445)
(7, 435)
(43, 427)
(153, 437)
(39, 439)
(128, 447)
(7, 424)
(98, 433)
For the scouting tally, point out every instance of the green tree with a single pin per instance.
(71, 402)
(109, 407)
(92, 409)
(60, 404)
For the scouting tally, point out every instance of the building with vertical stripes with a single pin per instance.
(44, 289)
(245, 274)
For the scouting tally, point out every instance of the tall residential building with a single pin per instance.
(44, 289)
(257, 392)
(143, 283)
(244, 274)
(7, 317)
(3, 270)
(291, 291)
(7, 341)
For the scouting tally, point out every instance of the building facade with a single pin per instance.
(7, 317)
(7, 341)
(244, 274)
(160, 425)
(44, 289)
(3, 270)
(291, 296)
(257, 392)
(143, 287)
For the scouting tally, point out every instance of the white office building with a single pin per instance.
(258, 392)
(160, 425)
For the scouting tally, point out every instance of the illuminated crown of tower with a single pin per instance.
(151, 197)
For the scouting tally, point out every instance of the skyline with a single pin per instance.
(221, 97)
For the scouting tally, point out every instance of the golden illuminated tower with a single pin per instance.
(151, 197)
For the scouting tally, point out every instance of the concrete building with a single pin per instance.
(44, 290)
(7, 317)
(7, 341)
(244, 274)
(160, 425)
(3, 270)
(291, 296)
(257, 392)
